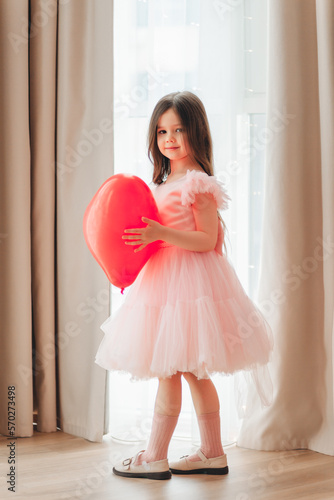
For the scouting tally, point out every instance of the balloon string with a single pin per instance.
(122, 291)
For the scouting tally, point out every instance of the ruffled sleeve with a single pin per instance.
(199, 182)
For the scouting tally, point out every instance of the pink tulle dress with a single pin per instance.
(187, 311)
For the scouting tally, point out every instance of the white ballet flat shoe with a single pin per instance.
(149, 470)
(214, 466)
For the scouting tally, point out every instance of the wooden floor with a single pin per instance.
(59, 466)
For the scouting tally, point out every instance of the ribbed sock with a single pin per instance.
(162, 430)
(209, 428)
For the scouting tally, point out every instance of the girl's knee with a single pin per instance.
(189, 377)
(193, 380)
(172, 379)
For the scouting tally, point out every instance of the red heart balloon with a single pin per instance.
(119, 204)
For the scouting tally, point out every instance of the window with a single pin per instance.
(216, 49)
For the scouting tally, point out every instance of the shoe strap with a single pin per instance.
(202, 456)
(128, 461)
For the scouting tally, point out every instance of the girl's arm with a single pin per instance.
(203, 239)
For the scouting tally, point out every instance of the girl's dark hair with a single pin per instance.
(195, 122)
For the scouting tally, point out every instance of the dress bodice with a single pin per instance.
(174, 200)
(172, 212)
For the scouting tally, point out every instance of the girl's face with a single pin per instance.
(171, 136)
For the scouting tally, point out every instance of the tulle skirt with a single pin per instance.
(188, 312)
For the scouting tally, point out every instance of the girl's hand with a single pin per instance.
(144, 235)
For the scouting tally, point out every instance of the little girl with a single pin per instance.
(187, 314)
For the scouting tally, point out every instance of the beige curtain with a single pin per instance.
(56, 150)
(297, 279)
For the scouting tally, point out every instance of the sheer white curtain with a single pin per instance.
(217, 50)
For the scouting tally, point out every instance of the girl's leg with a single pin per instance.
(166, 412)
(206, 403)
